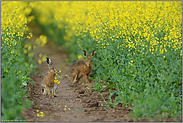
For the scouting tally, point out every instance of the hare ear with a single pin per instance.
(48, 61)
(85, 54)
(93, 53)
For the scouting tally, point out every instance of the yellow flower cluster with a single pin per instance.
(80, 57)
(135, 22)
(66, 108)
(30, 46)
(131, 63)
(42, 40)
(13, 24)
(41, 114)
(42, 58)
(56, 80)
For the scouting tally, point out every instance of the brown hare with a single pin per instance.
(48, 83)
(81, 68)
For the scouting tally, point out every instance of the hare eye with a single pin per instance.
(55, 69)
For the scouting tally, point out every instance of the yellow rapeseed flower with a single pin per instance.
(25, 51)
(44, 58)
(80, 57)
(29, 47)
(40, 55)
(39, 61)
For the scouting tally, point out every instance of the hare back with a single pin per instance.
(80, 65)
(77, 63)
(80, 72)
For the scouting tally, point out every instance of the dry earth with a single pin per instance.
(83, 103)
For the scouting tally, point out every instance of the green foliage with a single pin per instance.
(16, 65)
(14, 78)
(141, 59)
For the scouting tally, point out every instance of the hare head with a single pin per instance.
(51, 67)
(89, 59)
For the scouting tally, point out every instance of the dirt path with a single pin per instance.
(83, 103)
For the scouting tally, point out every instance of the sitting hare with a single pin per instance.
(48, 83)
(81, 68)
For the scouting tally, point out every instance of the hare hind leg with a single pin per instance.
(48, 90)
(43, 89)
(74, 78)
(76, 72)
(52, 91)
(73, 75)
(44, 92)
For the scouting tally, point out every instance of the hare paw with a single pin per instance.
(55, 95)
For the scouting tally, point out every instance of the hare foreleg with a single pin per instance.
(55, 87)
(85, 76)
(52, 91)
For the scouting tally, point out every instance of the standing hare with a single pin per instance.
(48, 83)
(81, 68)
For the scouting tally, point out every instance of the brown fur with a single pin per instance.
(81, 68)
(48, 81)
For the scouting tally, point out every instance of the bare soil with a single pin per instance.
(84, 104)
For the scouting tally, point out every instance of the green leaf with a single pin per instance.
(164, 108)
